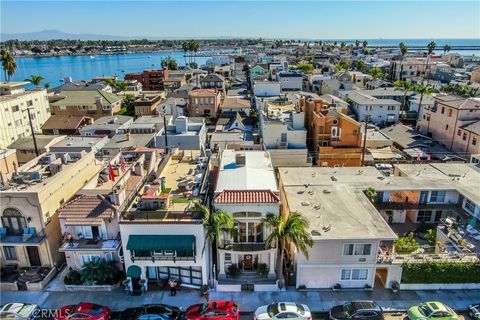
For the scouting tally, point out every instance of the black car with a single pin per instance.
(366, 310)
(170, 312)
(474, 311)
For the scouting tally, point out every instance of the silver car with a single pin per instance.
(20, 311)
(283, 310)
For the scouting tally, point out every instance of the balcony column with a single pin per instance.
(221, 263)
(271, 269)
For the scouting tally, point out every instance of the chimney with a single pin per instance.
(99, 101)
(127, 136)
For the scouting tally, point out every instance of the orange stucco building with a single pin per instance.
(334, 139)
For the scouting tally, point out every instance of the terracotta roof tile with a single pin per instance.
(87, 207)
(246, 196)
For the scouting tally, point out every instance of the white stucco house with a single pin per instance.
(266, 88)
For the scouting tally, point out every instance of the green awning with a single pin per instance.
(184, 245)
(134, 271)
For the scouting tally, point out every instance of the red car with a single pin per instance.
(213, 310)
(84, 311)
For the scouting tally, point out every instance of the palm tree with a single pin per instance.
(431, 47)
(8, 63)
(288, 230)
(357, 44)
(46, 85)
(405, 86)
(403, 48)
(424, 90)
(361, 65)
(365, 44)
(216, 224)
(112, 83)
(35, 80)
(446, 49)
(122, 86)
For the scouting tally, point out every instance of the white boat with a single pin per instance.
(92, 57)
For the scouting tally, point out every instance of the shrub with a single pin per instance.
(98, 272)
(72, 278)
(406, 244)
(262, 269)
(337, 286)
(441, 272)
(371, 194)
(233, 271)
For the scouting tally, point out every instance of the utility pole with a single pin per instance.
(367, 118)
(165, 128)
(33, 132)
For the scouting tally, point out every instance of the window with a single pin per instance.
(18, 123)
(459, 132)
(14, 221)
(29, 103)
(469, 206)
(438, 196)
(464, 136)
(443, 110)
(109, 257)
(10, 253)
(89, 258)
(474, 141)
(106, 107)
(424, 215)
(357, 249)
(15, 109)
(446, 127)
(391, 108)
(450, 112)
(354, 274)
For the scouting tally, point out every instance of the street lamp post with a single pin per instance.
(165, 128)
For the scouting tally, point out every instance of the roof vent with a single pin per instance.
(326, 191)
(305, 203)
(333, 178)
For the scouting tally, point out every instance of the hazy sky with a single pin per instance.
(270, 19)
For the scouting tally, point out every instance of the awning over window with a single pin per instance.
(134, 271)
(184, 245)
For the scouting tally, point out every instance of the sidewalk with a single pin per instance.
(318, 301)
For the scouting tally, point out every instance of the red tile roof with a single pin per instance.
(246, 196)
(88, 208)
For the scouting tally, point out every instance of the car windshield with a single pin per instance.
(348, 309)
(272, 310)
(17, 309)
(425, 310)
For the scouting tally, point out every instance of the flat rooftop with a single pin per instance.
(334, 196)
(78, 142)
(254, 173)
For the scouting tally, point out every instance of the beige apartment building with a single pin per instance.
(30, 228)
(453, 121)
(90, 103)
(15, 104)
(204, 103)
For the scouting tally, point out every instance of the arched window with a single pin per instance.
(14, 221)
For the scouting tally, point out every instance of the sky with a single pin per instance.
(315, 19)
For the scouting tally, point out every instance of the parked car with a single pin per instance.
(150, 311)
(283, 310)
(433, 309)
(367, 310)
(215, 309)
(21, 311)
(84, 311)
(474, 311)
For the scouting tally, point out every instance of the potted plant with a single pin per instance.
(337, 287)
(395, 286)
(367, 287)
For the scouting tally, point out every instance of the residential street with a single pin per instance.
(318, 301)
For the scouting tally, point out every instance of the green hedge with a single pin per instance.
(441, 272)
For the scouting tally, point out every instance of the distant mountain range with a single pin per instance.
(56, 34)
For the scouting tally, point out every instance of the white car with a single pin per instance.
(283, 310)
(20, 311)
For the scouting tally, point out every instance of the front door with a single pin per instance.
(34, 256)
(248, 262)
(95, 232)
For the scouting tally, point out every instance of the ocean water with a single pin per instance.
(54, 69)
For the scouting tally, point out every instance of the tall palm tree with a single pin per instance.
(288, 230)
(446, 49)
(35, 80)
(424, 90)
(365, 44)
(216, 224)
(431, 47)
(361, 65)
(403, 48)
(112, 83)
(122, 86)
(8, 63)
(357, 44)
(405, 86)
(46, 85)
